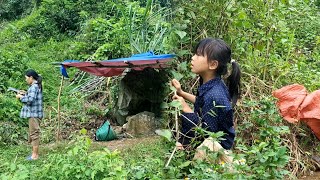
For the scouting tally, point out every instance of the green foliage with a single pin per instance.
(13, 9)
(94, 110)
(66, 15)
(263, 34)
(76, 163)
(125, 30)
(182, 164)
(63, 14)
(106, 38)
(308, 70)
(10, 108)
(267, 156)
(11, 133)
(165, 133)
(11, 68)
(302, 16)
(143, 162)
(37, 26)
(147, 27)
(194, 20)
(275, 42)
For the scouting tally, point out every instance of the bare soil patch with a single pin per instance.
(125, 143)
(313, 176)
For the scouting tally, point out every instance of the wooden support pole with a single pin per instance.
(177, 133)
(171, 156)
(176, 119)
(59, 116)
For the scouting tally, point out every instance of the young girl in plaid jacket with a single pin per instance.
(32, 109)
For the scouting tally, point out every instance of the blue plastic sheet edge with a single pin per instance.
(63, 70)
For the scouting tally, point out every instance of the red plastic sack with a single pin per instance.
(295, 104)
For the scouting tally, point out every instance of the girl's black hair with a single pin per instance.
(217, 49)
(34, 74)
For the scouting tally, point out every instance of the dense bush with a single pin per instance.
(63, 14)
(263, 34)
(68, 15)
(126, 29)
(37, 26)
(13, 9)
(12, 133)
(12, 69)
(77, 163)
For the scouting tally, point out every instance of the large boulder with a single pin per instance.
(143, 123)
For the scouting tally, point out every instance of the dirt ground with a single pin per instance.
(125, 143)
(314, 176)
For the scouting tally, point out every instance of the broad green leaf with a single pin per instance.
(83, 131)
(191, 15)
(175, 103)
(166, 133)
(164, 105)
(183, 52)
(176, 75)
(181, 34)
(242, 15)
(183, 66)
(185, 164)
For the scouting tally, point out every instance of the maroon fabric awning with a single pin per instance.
(117, 66)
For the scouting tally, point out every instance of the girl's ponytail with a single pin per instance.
(233, 82)
(39, 82)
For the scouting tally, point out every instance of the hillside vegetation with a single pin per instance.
(276, 43)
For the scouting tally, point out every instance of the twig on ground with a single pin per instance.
(174, 150)
(129, 135)
(15, 159)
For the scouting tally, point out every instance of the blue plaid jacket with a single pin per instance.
(32, 103)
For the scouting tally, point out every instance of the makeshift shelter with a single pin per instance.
(141, 73)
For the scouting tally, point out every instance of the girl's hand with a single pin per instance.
(179, 146)
(177, 85)
(22, 92)
(185, 106)
(18, 96)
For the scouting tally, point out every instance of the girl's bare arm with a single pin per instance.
(190, 97)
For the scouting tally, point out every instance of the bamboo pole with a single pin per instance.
(171, 156)
(176, 119)
(59, 116)
(177, 133)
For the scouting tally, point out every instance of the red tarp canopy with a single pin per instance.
(116, 67)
